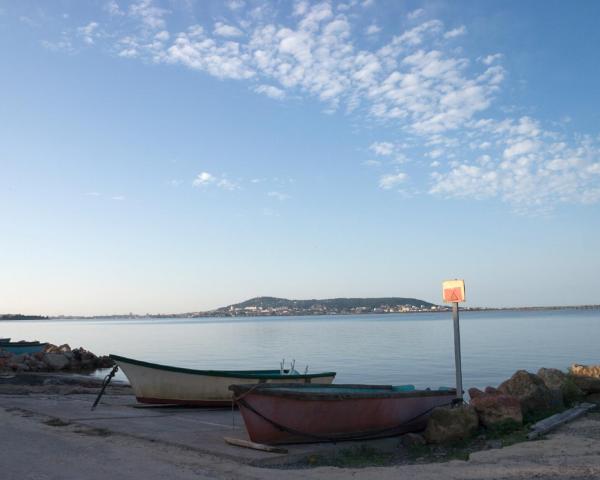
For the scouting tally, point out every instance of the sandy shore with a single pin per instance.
(35, 445)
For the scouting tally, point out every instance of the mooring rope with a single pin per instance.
(105, 383)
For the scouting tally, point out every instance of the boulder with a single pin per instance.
(475, 392)
(449, 424)
(495, 409)
(552, 377)
(587, 384)
(532, 392)
(585, 370)
(586, 377)
(561, 384)
(56, 361)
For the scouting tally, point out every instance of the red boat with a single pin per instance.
(303, 413)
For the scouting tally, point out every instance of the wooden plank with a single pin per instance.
(550, 423)
(238, 442)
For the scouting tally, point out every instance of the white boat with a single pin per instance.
(164, 384)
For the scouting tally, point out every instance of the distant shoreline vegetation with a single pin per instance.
(18, 316)
(273, 306)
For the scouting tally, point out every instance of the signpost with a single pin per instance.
(453, 291)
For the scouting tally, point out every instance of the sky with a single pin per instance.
(177, 156)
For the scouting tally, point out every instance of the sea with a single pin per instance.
(397, 349)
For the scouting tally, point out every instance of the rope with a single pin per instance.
(105, 383)
(342, 437)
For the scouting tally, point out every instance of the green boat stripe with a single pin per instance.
(266, 374)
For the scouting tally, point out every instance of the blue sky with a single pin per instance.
(179, 156)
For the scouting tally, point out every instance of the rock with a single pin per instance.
(448, 424)
(475, 392)
(497, 409)
(593, 398)
(491, 390)
(553, 378)
(585, 370)
(56, 361)
(586, 377)
(105, 362)
(532, 392)
(21, 358)
(562, 386)
(587, 384)
(413, 440)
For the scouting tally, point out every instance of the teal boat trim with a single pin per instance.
(260, 374)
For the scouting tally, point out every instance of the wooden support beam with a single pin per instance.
(547, 424)
(239, 442)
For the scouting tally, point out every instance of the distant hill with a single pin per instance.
(328, 304)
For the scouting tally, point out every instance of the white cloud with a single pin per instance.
(270, 91)
(520, 148)
(235, 4)
(489, 59)
(420, 83)
(372, 163)
(162, 36)
(203, 179)
(372, 29)
(419, 12)
(88, 32)
(383, 149)
(118, 198)
(391, 180)
(225, 30)
(436, 153)
(279, 196)
(149, 14)
(457, 32)
(112, 7)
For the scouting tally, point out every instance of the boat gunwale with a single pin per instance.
(265, 374)
(294, 391)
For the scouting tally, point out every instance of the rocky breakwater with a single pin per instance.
(54, 359)
(521, 400)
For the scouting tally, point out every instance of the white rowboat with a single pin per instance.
(163, 384)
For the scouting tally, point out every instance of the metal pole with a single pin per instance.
(457, 361)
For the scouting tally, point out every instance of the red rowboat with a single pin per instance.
(276, 414)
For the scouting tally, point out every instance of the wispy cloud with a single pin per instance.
(391, 180)
(418, 82)
(279, 196)
(205, 179)
(88, 32)
(270, 91)
(456, 32)
(225, 30)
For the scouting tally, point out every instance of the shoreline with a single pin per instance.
(60, 438)
(319, 314)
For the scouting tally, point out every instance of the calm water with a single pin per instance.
(393, 348)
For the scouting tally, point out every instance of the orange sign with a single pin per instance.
(453, 291)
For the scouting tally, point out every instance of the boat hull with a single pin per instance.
(279, 419)
(18, 348)
(160, 384)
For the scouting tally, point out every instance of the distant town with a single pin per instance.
(273, 306)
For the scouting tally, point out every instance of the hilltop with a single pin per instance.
(284, 306)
